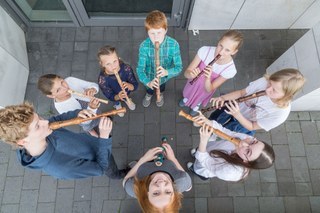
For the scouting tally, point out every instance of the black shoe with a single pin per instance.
(190, 168)
(124, 172)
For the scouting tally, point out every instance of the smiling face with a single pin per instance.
(274, 90)
(59, 89)
(249, 149)
(157, 35)
(226, 47)
(160, 192)
(110, 63)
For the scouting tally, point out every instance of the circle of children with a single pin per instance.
(157, 188)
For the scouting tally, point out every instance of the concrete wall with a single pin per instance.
(14, 66)
(254, 14)
(305, 56)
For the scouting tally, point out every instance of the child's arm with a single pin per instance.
(192, 71)
(141, 68)
(211, 86)
(176, 62)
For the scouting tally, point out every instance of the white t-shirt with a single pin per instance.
(72, 103)
(262, 110)
(209, 167)
(226, 70)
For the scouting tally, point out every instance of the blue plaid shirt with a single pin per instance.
(170, 59)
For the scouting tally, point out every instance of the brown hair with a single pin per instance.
(235, 36)
(265, 159)
(106, 50)
(292, 81)
(45, 83)
(141, 188)
(15, 121)
(156, 19)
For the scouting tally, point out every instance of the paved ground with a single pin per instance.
(292, 185)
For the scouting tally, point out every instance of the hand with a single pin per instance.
(217, 102)
(168, 151)
(161, 72)
(233, 108)
(194, 72)
(86, 113)
(127, 86)
(94, 103)
(202, 119)
(105, 127)
(154, 84)
(122, 95)
(207, 72)
(151, 154)
(90, 92)
(205, 133)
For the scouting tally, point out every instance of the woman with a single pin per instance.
(225, 160)
(158, 188)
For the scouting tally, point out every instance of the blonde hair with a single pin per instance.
(156, 19)
(15, 121)
(235, 36)
(141, 188)
(291, 80)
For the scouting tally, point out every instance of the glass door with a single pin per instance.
(126, 12)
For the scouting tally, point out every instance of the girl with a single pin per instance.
(200, 92)
(265, 112)
(158, 188)
(226, 161)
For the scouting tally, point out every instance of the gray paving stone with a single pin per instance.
(82, 190)
(64, 200)
(309, 132)
(236, 189)
(31, 179)
(296, 144)
(81, 206)
(46, 208)
(315, 180)
(312, 153)
(269, 189)
(99, 194)
(152, 113)
(136, 123)
(315, 116)
(81, 46)
(63, 68)
(219, 188)
(282, 162)
(112, 206)
(48, 189)
(201, 190)
(120, 156)
(139, 34)
(36, 35)
(96, 33)
(28, 202)
(53, 34)
(183, 137)
(315, 203)
(5, 150)
(110, 34)
(126, 206)
(82, 34)
(119, 138)
(246, 204)
(300, 169)
(252, 186)
(187, 205)
(201, 205)
(125, 33)
(100, 181)
(66, 184)
(135, 147)
(293, 126)
(287, 188)
(79, 61)
(223, 204)
(12, 190)
(10, 208)
(285, 175)
(114, 192)
(297, 204)
(271, 204)
(279, 135)
(167, 123)
(304, 189)
(68, 34)
(268, 175)
(94, 48)
(152, 137)
(14, 169)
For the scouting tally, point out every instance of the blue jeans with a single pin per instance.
(151, 91)
(229, 122)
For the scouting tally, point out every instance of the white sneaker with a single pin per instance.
(147, 100)
(193, 152)
(161, 102)
(121, 114)
(132, 106)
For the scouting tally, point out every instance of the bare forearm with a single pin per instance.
(177, 164)
(249, 125)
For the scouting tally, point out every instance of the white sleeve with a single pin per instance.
(218, 126)
(257, 85)
(81, 85)
(230, 72)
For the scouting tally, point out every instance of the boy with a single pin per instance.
(108, 83)
(169, 52)
(55, 87)
(60, 153)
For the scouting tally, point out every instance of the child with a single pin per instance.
(225, 160)
(59, 153)
(169, 53)
(110, 64)
(158, 188)
(55, 87)
(200, 92)
(265, 112)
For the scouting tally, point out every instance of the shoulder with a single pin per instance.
(125, 67)
(146, 43)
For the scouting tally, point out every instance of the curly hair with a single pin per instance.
(156, 19)
(141, 188)
(15, 121)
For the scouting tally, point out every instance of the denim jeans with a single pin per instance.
(229, 122)
(112, 171)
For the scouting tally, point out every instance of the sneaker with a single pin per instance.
(161, 102)
(190, 168)
(193, 113)
(118, 106)
(147, 100)
(193, 152)
(132, 106)
(124, 172)
(182, 103)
